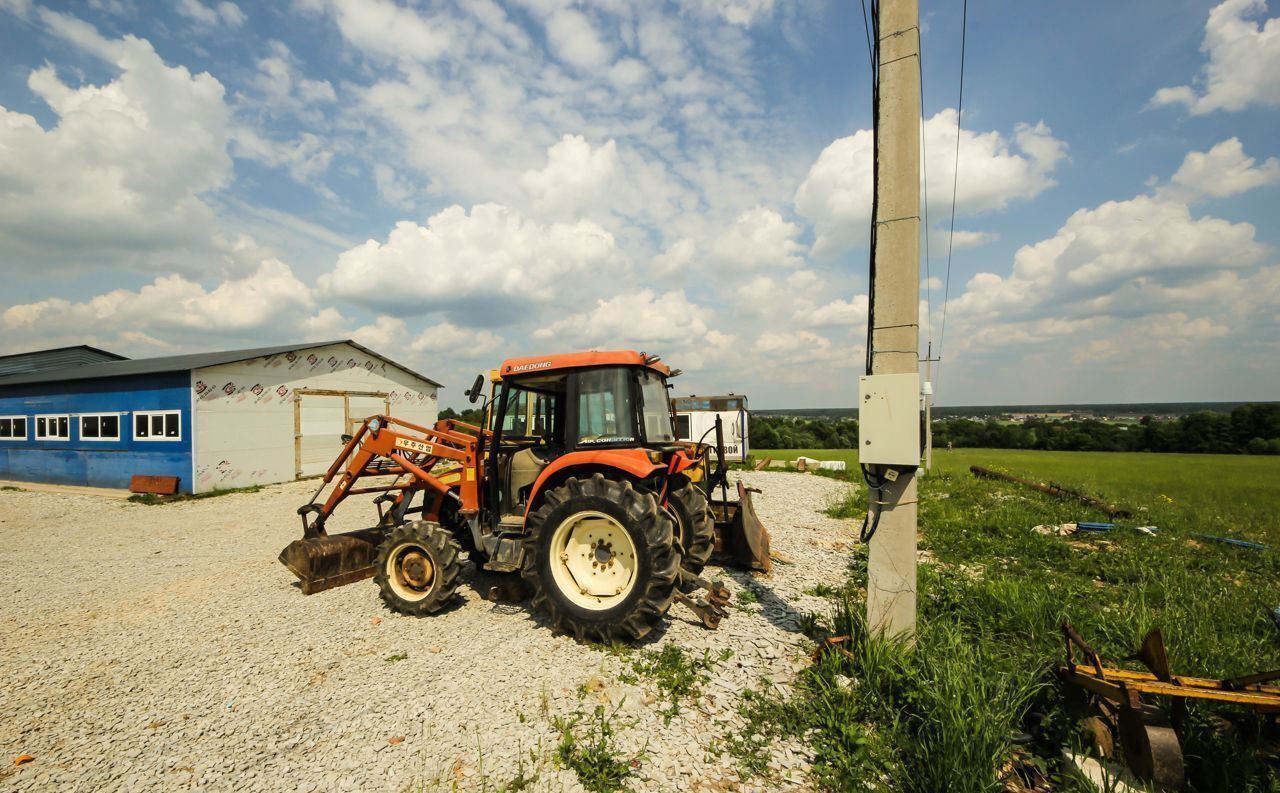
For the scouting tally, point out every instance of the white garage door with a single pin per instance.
(321, 423)
(323, 418)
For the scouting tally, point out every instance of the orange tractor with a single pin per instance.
(577, 483)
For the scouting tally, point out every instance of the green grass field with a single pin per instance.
(992, 594)
(1238, 495)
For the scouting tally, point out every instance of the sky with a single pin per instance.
(454, 183)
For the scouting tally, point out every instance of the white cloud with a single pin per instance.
(393, 187)
(1125, 285)
(739, 12)
(270, 301)
(444, 339)
(1225, 170)
(306, 158)
(994, 171)
(282, 85)
(1147, 240)
(119, 177)
(575, 40)
(574, 178)
(676, 259)
(386, 30)
(641, 317)
(225, 13)
(666, 324)
(838, 313)
(759, 239)
(939, 238)
(1243, 61)
(491, 255)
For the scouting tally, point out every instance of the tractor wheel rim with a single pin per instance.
(410, 571)
(593, 560)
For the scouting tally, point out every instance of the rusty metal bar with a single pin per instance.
(1053, 490)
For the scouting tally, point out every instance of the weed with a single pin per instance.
(678, 676)
(397, 657)
(746, 596)
(617, 649)
(822, 591)
(11, 488)
(591, 752)
(152, 499)
(853, 504)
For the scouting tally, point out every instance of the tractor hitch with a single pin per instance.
(710, 608)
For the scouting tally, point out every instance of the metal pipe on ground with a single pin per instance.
(1053, 490)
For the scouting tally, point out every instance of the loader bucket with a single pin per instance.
(739, 532)
(330, 561)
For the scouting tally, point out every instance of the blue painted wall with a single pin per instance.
(98, 463)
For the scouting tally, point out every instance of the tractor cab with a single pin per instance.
(592, 408)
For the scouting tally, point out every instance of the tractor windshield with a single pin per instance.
(655, 410)
(605, 412)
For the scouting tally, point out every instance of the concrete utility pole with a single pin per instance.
(895, 333)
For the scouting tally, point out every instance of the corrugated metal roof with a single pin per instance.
(178, 363)
(56, 358)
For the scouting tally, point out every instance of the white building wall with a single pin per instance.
(244, 412)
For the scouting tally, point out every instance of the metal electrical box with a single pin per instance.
(889, 419)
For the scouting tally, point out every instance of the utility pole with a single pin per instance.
(895, 293)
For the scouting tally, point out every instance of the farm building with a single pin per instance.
(215, 420)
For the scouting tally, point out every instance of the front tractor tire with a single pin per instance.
(601, 559)
(695, 525)
(417, 568)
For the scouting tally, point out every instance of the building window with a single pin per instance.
(157, 425)
(53, 428)
(102, 427)
(13, 428)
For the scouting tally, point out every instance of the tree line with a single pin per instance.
(1247, 429)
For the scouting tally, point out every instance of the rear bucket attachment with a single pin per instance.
(330, 561)
(739, 532)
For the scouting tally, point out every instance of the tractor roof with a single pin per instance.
(540, 364)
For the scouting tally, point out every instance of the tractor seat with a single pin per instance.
(523, 471)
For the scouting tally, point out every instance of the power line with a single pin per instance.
(955, 180)
(866, 27)
(873, 31)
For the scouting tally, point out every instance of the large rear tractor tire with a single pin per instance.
(417, 568)
(695, 525)
(601, 559)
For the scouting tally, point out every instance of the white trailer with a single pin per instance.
(696, 421)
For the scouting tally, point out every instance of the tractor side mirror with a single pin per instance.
(473, 393)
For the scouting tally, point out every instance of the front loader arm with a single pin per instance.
(412, 450)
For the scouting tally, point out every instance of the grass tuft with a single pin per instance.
(677, 675)
(588, 747)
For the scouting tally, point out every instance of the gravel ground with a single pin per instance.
(164, 647)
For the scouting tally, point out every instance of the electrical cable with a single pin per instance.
(867, 30)
(924, 165)
(867, 532)
(873, 480)
(955, 180)
(875, 183)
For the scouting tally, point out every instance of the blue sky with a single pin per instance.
(454, 182)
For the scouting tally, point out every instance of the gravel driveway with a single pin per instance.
(164, 647)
